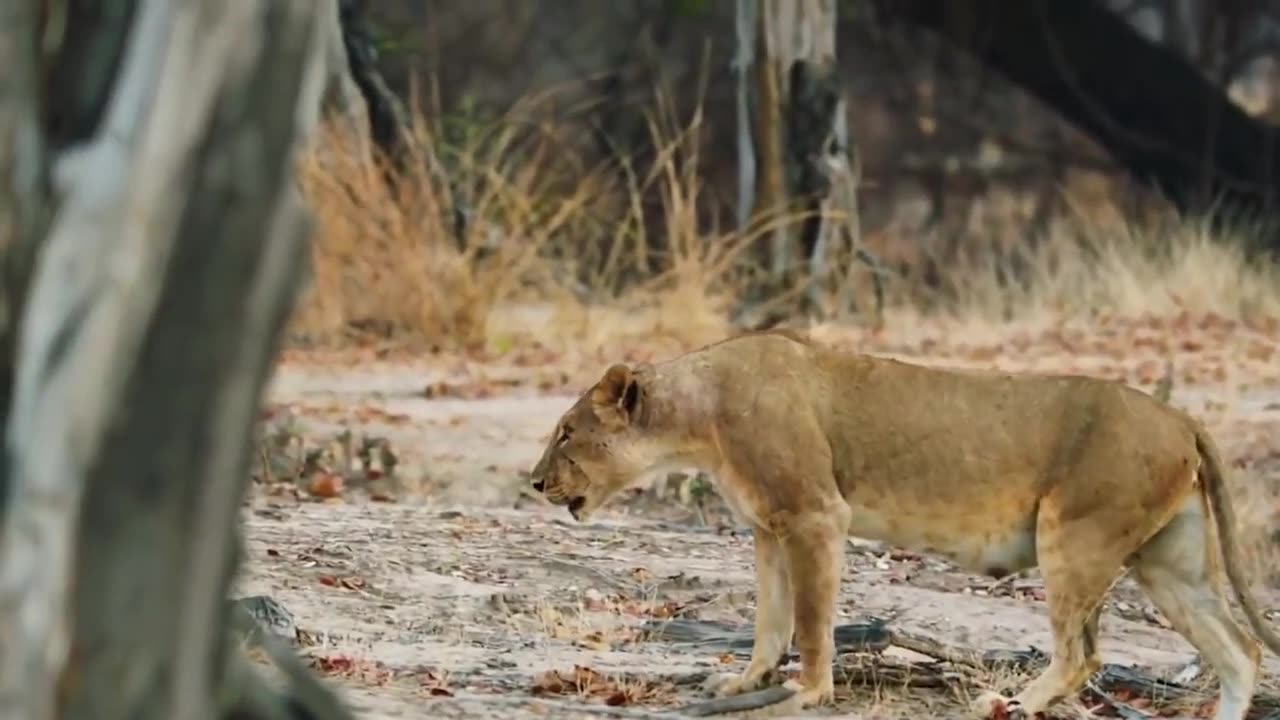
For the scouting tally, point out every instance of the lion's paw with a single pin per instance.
(810, 696)
(994, 706)
(728, 684)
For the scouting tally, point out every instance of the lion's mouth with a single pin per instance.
(575, 506)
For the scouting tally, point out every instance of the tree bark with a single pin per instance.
(1157, 116)
(23, 180)
(797, 150)
(90, 39)
(389, 121)
(341, 94)
(147, 334)
(746, 29)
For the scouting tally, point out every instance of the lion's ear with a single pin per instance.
(617, 392)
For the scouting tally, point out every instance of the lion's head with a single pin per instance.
(600, 445)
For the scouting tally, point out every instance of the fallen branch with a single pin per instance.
(479, 706)
(746, 702)
(1113, 686)
(710, 636)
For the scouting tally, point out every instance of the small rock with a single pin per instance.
(256, 614)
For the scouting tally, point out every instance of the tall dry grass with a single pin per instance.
(544, 228)
(573, 252)
(386, 259)
(1084, 267)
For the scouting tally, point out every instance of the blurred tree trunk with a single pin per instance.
(1151, 109)
(793, 160)
(146, 285)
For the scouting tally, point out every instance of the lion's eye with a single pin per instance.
(564, 437)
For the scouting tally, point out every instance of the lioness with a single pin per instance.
(997, 472)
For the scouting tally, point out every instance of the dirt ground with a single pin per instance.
(449, 592)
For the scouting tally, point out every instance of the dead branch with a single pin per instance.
(858, 644)
(710, 636)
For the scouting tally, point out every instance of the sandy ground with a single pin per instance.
(463, 598)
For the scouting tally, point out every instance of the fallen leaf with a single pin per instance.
(325, 486)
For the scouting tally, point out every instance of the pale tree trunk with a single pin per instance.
(795, 158)
(160, 285)
(746, 28)
(341, 98)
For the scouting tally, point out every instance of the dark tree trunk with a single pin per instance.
(810, 129)
(1152, 110)
(389, 125)
(79, 80)
(388, 121)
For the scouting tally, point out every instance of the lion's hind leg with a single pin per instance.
(1079, 564)
(1176, 568)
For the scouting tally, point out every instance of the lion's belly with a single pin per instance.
(994, 549)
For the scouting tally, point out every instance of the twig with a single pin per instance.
(1123, 710)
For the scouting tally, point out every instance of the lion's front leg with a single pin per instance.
(774, 620)
(815, 555)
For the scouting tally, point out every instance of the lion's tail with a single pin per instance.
(1215, 489)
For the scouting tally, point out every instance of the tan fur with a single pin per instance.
(1082, 477)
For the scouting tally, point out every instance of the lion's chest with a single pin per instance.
(978, 545)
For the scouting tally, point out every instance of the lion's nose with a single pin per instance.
(539, 484)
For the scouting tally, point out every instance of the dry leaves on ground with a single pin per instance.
(585, 682)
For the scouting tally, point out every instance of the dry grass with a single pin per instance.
(386, 260)
(1085, 268)
(388, 264)
(605, 251)
(1256, 497)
